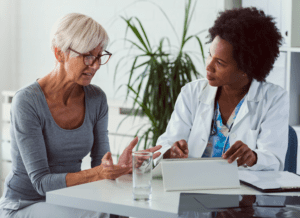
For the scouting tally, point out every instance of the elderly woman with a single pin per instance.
(234, 113)
(58, 120)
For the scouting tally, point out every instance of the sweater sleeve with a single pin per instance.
(27, 129)
(101, 142)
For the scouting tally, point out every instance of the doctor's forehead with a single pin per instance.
(221, 48)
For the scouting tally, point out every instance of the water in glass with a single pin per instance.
(142, 175)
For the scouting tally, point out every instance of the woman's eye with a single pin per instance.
(90, 57)
(218, 61)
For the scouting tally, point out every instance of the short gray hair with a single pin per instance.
(79, 32)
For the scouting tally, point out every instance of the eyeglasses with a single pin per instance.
(89, 59)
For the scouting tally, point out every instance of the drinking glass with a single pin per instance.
(142, 175)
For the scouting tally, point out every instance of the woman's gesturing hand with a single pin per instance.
(241, 152)
(107, 170)
(179, 149)
(125, 160)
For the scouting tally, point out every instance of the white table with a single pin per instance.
(115, 197)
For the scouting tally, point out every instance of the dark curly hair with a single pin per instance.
(254, 37)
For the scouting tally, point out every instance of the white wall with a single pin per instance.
(36, 18)
(26, 25)
(9, 58)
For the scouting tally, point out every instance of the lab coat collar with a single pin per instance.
(208, 93)
(254, 93)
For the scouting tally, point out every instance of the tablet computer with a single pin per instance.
(199, 173)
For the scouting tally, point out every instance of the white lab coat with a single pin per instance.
(261, 123)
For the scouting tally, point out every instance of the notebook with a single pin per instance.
(199, 173)
(271, 181)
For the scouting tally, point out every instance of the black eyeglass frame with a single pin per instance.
(96, 57)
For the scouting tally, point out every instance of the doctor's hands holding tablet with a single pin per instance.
(238, 151)
(178, 150)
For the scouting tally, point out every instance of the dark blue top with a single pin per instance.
(42, 152)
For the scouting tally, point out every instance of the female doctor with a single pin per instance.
(234, 113)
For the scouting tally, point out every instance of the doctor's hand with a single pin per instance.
(178, 150)
(241, 152)
(125, 160)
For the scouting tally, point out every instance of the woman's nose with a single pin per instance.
(96, 65)
(208, 64)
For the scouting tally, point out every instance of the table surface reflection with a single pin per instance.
(215, 205)
(115, 197)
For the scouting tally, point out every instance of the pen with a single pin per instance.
(223, 151)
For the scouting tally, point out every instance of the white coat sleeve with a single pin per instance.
(272, 140)
(180, 123)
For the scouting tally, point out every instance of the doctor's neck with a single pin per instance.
(236, 90)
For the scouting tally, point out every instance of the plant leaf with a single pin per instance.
(136, 32)
(145, 35)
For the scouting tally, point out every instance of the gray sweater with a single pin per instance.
(42, 152)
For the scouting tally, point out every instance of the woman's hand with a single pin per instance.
(107, 170)
(241, 152)
(178, 150)
(125, 160)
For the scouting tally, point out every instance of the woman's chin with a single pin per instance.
(84, 83)
(212, 82)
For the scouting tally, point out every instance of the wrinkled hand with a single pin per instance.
(241, 152)
(125, 160)
(179, 149)
(107, 170)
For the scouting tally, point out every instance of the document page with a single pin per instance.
(270, 179)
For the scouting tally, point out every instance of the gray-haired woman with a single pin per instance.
(58, 120)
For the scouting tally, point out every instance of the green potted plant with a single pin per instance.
(162, 74)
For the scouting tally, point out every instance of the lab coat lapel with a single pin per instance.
(242, 113)
(253, 95)
(203, 117)
(205, 110)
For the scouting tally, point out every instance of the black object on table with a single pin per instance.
(215, 205)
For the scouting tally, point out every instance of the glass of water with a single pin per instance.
(142, 175)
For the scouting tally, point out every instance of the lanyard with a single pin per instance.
(214, 127)
(215, 118)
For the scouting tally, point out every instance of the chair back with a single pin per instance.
(291, 155)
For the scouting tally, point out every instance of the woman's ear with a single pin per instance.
(59, 55)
